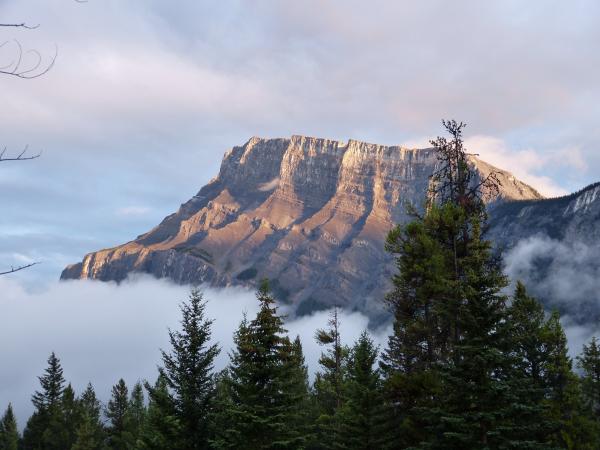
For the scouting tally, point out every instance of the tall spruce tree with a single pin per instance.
(137, 411)
(420, 341)
(361, 414)
(117, 414)
(526, 346)
(90, 433)
(330, 382)
(9, 432)
(297, 392)
(187, 371)
(566, 412)
(161, 430)
(475, 402)
(261, 406)
(45, 428)
(447, 368)
(71, 416)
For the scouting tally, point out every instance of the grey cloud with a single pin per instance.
(565, 276)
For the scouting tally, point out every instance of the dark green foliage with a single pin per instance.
(572, 427)
(329, 383)
(362, 412)
(52, 384)
(475, 380)
(161, 430)
(260, 394)
(46, 427)
(136, 412)
(71, 416)
(187, 372)
(86, 437)
(526, 347)
(423, 306)
(90, 433)
(462, 369)
(120, 436)
(9, 433)
(589, 364)
(296, 389)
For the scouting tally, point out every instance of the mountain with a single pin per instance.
(571, 218)
(310, 214)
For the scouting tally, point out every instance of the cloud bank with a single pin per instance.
(564, 275)
(103, 331)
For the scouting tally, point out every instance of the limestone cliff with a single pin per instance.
(310, 214)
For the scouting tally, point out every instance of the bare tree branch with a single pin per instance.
(20, 25)
(454, 181)
(25, 68)
(32, 68)
(16, 269)
(20, 157)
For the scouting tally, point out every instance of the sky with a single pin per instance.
(145, 97)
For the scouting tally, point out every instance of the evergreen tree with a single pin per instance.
(45, 428)
(448, 366)
(260, 410)
(71, 417)
(573, 428)
(90, 432)
(9, 433)
(329, 382)
(117, 413)
(526, 346)
(52, 383)
(161, 430)
(420, 343)
(223, 435)
(475, 403)
(86, 437)
(526, 320)
(361, 412)
(589, 364)
(188, 373)
(136, 412)
(296, 389)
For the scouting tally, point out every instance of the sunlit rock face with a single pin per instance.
(310, 214)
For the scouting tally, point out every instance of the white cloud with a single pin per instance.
(133, 210)
(528, 164)
(270, 185)
(104, 331)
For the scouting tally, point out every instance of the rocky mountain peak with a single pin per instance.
(309, 213)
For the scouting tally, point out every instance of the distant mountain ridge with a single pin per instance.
(310, 214)
(571, 217)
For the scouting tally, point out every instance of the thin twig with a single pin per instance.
(20, 25)
(28, 72)
(16, 269)
(20, 157)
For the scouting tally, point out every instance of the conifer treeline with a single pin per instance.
(466, 367)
